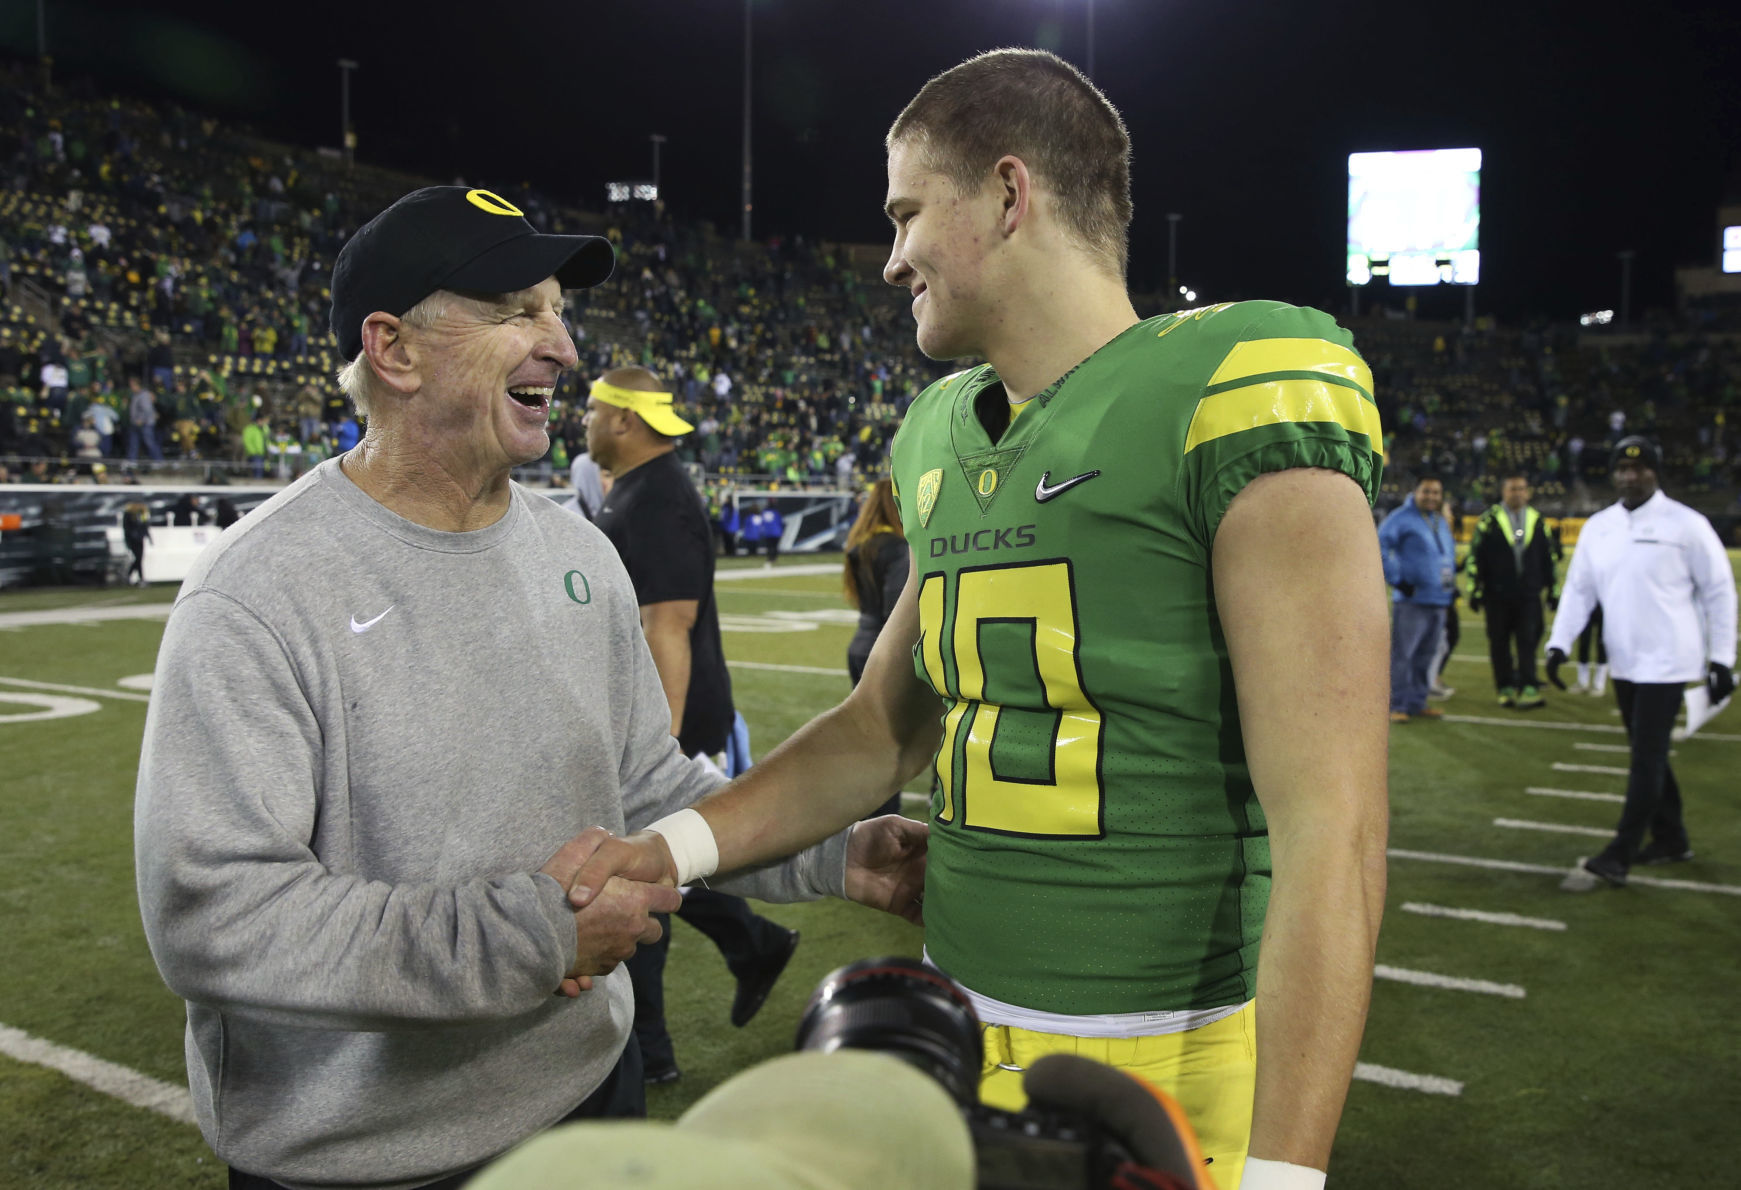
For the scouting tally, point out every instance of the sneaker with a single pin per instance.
(1441, 691)
(1508, 697)
(1654, 852)
(1399, 716)
(1429, 713)
(1590, 875)
(653, 1076)
(755, 984)
(1529, 698)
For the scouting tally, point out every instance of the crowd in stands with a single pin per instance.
(150, 244)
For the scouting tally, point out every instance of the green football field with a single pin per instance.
(1520, 1036)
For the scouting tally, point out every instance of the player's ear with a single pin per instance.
(1015, 188)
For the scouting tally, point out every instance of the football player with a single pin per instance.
(1146, 596)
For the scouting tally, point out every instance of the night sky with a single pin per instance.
(1604, 126)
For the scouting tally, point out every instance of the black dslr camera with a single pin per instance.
(910, 1010)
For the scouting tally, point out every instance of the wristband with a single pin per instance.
(1279, 1175)
(692, 845)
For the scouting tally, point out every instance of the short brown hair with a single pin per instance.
(1037, 106)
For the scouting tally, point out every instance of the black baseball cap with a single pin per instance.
(451, 237)
(1636, 448)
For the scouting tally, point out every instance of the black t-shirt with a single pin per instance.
(655, 518)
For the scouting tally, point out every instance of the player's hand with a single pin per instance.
(1720, 681)
(1556, 658)
(1553, 602)
(642, 856)
(618, 919)
(885, 866)
(1407, 589)
(1475, 601)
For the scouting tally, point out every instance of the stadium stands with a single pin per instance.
(155, 242)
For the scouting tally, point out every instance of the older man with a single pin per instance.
(390, 721)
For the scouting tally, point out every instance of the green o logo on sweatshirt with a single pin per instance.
(584, 595)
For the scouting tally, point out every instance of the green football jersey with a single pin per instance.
(1096, 846)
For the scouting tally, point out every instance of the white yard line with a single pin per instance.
(1582, 795)
(1455, 983)
(1548, 725)
(129, 1086)
(1519, 824)
(86, 615)
(734, 574)
(1623, 749)
(1509, 865)
(1606, 770)
(1432, 1084)
(1492, 919)
(93, 691)
(790, 669)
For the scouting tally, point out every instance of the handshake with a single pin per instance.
(615, 885)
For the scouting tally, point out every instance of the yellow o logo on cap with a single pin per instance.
(495, 204)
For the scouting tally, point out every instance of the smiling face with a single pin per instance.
(489, 367)
(944, 253)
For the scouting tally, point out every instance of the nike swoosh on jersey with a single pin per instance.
(1042, 493)
(368, 624)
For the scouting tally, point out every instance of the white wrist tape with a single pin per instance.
(693, 848)
(1279, 1175)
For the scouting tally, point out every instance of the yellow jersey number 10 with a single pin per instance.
(1040, 595)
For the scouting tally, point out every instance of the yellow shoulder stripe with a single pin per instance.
(1283, 401)
(1254, 357)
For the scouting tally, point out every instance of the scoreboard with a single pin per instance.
(1415, 217)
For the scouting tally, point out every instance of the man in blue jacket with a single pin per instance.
(1420, 562)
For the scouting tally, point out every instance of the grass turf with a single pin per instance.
(1618, 1065)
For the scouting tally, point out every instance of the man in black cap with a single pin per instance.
(390, 722)
(1667, 592)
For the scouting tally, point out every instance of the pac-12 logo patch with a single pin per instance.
(929, 483)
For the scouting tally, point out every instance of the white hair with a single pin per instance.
(357, 379)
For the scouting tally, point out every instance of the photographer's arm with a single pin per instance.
(841, 764)
(1300, 592)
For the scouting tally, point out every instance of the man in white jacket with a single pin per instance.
(1667, 592)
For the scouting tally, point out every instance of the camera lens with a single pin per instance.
(901, 1007)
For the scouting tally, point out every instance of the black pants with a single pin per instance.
(1592, 633)
(1653, 797)
(772, 545)
(742, 937)
(622, 1096)
(1512, 620)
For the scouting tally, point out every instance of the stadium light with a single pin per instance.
(1173, 248)
(746, 192)
(347, 138)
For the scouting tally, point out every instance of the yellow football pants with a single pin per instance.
(1211, 1071)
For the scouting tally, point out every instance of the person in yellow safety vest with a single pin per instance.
(1513, 559)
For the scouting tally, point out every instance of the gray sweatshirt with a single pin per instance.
(364, 740)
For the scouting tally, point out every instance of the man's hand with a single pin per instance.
(642, 856)
(563, 867)
(1407, 589)
(1553, 602)
(1556, 658)
(608, 930)
(885, 866)
(1720, 682)
(1475, 600)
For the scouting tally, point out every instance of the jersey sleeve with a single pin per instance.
(1290, 392)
